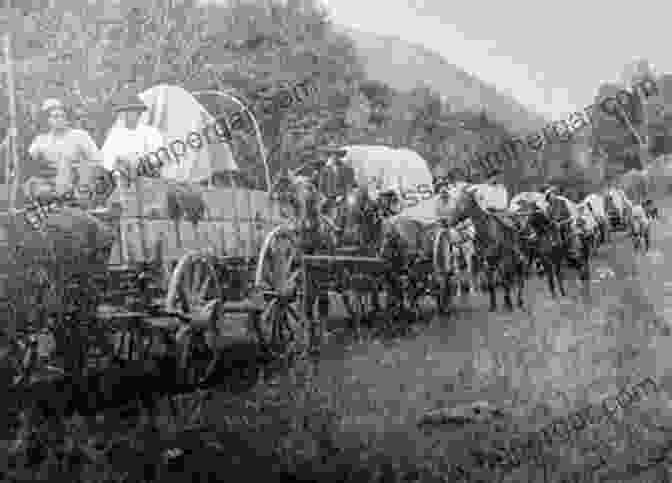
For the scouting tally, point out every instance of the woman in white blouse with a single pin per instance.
(66, 156)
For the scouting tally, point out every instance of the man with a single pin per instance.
(130, 140)
(65, 156)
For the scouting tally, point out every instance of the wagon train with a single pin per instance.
(356, 233)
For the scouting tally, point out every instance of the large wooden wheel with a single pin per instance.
(282, 328)
(194, 292)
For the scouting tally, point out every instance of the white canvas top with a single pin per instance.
(492, 196)
(382, 168)
(175, 112)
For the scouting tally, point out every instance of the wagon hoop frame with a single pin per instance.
(257, 129)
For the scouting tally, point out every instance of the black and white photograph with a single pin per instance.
(295, 241)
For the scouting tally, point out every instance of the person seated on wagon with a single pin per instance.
(129, 141)
(63, 159)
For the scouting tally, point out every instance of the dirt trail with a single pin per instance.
(560, 356)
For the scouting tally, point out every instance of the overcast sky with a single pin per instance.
(549, 55)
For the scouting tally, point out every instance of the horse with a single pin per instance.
(359, 220)
(640, 228)
(407, 246)
(618, 203)
(499, 241)
(304, 203)
(589, 225)
(596, 204)
(651, 209)
(576, 240)
(541, 243)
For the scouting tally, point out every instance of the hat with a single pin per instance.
(52, 103)
(129, 102)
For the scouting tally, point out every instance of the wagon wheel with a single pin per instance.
(282, 328)
(193, 293)
(441, 261)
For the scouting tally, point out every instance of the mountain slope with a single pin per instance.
(403, 66)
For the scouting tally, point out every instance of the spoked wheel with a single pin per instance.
(282, 328)
(193, 293)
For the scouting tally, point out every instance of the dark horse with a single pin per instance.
(576, 244)
(651, 209)
(544, 244)
(499, 241)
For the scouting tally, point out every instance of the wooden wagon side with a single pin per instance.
(234, 224)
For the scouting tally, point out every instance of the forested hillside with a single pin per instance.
(403, 65)
(91, 50)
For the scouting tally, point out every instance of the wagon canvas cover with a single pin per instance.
(383, 168)
(176, 113)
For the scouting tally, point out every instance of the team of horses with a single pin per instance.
(470, 245)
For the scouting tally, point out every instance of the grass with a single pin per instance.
(351, 416)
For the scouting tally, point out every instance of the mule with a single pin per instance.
(498, 240)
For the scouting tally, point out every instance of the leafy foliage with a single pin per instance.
(255, 51)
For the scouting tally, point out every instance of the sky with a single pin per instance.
(551, 56)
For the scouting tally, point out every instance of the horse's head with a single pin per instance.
(299, 193)
(557, 206)
(359, 216)
(459, 203)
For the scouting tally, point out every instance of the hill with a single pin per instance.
(403, 66)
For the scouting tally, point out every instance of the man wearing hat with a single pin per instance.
(65, 156)
(129, 140)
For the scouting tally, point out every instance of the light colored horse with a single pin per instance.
(640, 228)
(588, 223)
(460, 249)
(621, 204)
(596, 204)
